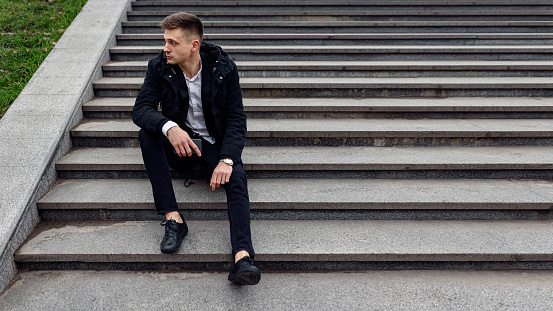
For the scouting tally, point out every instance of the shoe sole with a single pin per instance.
(247, 278)
(170, 252)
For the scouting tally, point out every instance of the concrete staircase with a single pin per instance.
(412, 135)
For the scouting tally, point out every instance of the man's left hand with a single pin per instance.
(221, 175)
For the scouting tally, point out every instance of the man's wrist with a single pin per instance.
(227, 161)
(167, 126)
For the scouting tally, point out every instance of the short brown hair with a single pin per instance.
(190, 23)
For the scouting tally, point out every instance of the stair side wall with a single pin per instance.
(34, 133)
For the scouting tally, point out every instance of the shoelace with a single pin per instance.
(247, 260)
(170, 228)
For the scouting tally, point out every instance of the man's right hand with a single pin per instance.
(182, 142)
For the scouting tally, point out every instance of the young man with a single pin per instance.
(198, 90)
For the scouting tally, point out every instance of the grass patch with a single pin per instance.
(29, 29)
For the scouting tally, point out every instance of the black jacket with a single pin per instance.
(221, 99)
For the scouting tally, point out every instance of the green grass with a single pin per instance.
(29, 29)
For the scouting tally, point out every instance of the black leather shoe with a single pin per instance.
(174, 233)
(244, 272)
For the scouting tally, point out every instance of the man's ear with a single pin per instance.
(195, 45)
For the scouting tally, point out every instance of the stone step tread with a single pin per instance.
(351, 128)
(451, 104)
(372, 11)
(360, 65)
(303, 194)
(295, 240)
(346, 2)
(285, 36)
(348, 49)
(443, 290)
(370, 83)
(338, 158)
(326, 23)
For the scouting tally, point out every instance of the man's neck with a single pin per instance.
(192, 67)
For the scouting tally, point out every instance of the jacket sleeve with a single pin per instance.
(145, 111)
(235, 120)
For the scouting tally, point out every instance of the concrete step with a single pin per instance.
(317, 108)
(297, 244)
(382, 69)
(345, 3)
(359, 53)
(372, 13)
(336, 162)
(326, 26)
(348, 132)
(404, 290)
(340, 6)
(304, 199)
(331, 39)
(365, 209)
(362, 87)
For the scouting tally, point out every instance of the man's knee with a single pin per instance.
(146, 139)
(238, 175)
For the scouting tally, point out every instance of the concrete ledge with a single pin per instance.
(339, 159)
(360, 36)
(296, 241)
(323, 194)
(448, 3)
(349, 128)
(368, 12)
(353, 49)
(353, 23)
(35, 130)
(461, 83)
(367, 290)
(450, 104)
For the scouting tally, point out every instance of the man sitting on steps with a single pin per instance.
(198, 89)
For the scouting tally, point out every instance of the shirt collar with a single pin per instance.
(197, 76)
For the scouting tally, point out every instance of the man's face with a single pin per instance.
(178, 48)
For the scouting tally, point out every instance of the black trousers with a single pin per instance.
(159, 156)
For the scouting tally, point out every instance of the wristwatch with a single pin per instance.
(227, 161)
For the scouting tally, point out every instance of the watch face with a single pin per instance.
(228, 161)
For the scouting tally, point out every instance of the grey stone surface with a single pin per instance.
(359, 24)
(109, 104)
(218, 212)
(426, 82)
(353, 49)
(105, 127)
(371, 83)
(9, 270)
(289, 241)
(364, 65)
(44, 105)
(38, 122)
(371, 290)
(322, 12)
(320, 194)
(312, 5)
(451, 104)
(351, 128)
(319, 244)
(400, 128)
(339, 158)
(422, 38)
(403, 104)
(288, 36)
(241, 26)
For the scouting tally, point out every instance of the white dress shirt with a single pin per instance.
(195, 117)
